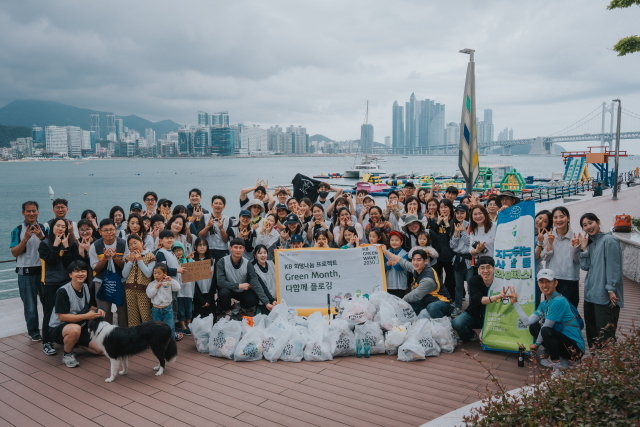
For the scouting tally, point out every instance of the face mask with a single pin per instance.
(323, 194)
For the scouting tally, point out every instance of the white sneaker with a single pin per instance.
(69, 359)
(456, 312)
(546, 362)
(563, 363)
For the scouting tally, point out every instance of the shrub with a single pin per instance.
(601, 390)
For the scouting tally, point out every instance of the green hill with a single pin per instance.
(319, 138)
(10, 133)
(47, 113)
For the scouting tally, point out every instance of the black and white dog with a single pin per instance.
(118, 344)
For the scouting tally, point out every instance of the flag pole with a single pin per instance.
(468, 156)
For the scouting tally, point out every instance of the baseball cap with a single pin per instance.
(461, 207)
(546, 274)
(409, 185)
(134, 206)
(244, 212)
(161, 201)
(297, 238)
(291, 219)
(282, 206)
(397, 233)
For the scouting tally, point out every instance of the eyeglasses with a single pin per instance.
(60, 207)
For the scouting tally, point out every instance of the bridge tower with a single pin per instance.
(542, 147)
(606, 110)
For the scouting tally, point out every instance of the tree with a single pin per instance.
(629, 44)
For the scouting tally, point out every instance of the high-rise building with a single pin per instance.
(119, 128)
(430, 124)
(95, 124)
(219, 119)
(111, 124)
(253, 139)
(397, 139)
(222, 140)
(366, 138)
(56, 140)
(299, 139)
(387, 141)
(488, 125)
(86, 140)
(186, 136)
(452, 133)
(505, 135)
(412, 111)
(74, 141)
(150, 136)
(37, 135)
(203, 118)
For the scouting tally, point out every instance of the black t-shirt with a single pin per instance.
(63, 305)
(477, 290)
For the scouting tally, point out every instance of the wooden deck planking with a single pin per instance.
(36, 389)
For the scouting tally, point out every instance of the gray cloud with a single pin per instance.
(539, 66)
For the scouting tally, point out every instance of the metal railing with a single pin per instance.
(544, 194)
(7, 275)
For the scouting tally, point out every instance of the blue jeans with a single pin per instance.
(436, 309)
(461, 277)
(164, 315)
(30, 288)
(464, 325)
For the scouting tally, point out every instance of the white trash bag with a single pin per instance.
(275, 338)
(318, 348)
(357, 310)
(250, 346)
(293, 351)
(224, 338)
(279, 310)
(404, 312)
(395, 338)
(419, 344)
(249, 322)
(371, 333)
(424, 314)
(342, 342)
(386, 316)
(200, 328)
(443, 334)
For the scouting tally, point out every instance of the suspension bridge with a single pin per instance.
(591, 127)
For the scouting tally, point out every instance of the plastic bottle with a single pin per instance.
(359, 349)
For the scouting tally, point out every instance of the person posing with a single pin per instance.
(204, 301)
(177, 224)
(292, 227)
(304, 210)
(195, 211)
(108, 253)
(60, 211)
(25, 240)
(266, 273)
(343, 221)
(462, 269)
(492, 208)
(150, 200)
(473, 317)
(412, 208)
(424, 242)
(74, 307)
(601, 258)
(561, 253)
(317, 223)
(393, 208)
(256, 210)
(321, 239)
(323, 193)
(165, 256)
(377, 220)
(55, 251)
(267, 234)
(544, 224)
(138, 273)
(157, 224)
(411, 230)
(238, 280)
(443, 237)
(184, 297)
(350, 237)
(119, 219)
(375, 236)
(259, 193)
(482, 232)
(451, 193)
(395, 273)
(81, 247)
(554, 324)
(215, 230)
(90, 215)
(164, 209)
(135, 225)
(160, 292)
(431, 215)
(243, 230)
(426, 289)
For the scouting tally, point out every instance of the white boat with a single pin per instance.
(367, 166)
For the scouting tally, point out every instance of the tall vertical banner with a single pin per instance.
(514, 254)
(468, 160)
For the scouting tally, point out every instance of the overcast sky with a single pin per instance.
(540, 66)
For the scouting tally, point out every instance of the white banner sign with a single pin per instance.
(304, 277)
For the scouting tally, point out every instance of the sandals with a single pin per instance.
(178, 336)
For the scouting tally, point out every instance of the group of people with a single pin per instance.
(432, 245)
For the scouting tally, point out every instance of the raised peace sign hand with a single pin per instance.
(541, 233)
(584, 241)
(551, 237)
(575, 242)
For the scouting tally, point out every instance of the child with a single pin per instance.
(424, 244)
(350, 236)
(185, 294)
(138, 270)
(165, 256)
(204, 301)
(160, 291)
(375, 236)
(396, 275)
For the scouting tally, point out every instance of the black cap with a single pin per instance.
(291, 219)
(461, 207)
(161, 201)
(409, 185)
(282, 206)
(134, 206)
(297, 238)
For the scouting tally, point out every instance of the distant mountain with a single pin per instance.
(47, 113)
(319, 138)
(10, 133)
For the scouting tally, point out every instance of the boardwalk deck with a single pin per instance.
(198, 390)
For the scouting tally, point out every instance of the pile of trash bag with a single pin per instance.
(379, 324)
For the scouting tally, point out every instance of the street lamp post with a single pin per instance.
(615, 169)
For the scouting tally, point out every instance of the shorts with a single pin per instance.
(56, 335)
(185, 308)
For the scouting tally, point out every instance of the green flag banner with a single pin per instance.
(514, 254)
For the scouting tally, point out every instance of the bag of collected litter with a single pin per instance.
(200, 328)
(371, 333)
(250, 346)
(419, 343)
(224, 338)
(318, 348)
(404, 312)
(424, 314)
(342, 342)
(357, 310)
(294, 349)
(249, 322)
(386, 316)
(443, 334)
(279, 310)
(275, 338)
(395, 338)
